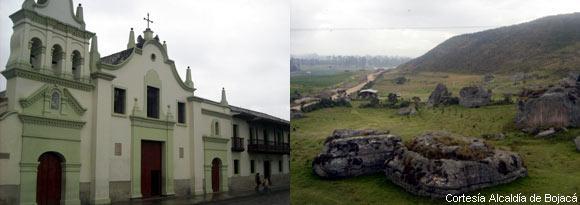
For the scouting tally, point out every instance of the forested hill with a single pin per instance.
(547, 44)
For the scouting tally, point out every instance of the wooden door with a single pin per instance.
(267, 169)
(215, 175)
(49, 179)
(151, 173)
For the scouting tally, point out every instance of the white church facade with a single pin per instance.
(78, 128)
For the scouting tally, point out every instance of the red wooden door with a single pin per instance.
(150, 168)
(215, 175)
(49, 179)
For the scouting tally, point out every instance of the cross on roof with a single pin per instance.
(148, 20)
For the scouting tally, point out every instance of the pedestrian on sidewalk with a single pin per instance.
(258, 182)
(267, 185)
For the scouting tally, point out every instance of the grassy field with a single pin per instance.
(422, 84)
(553, 164)
(318, 81)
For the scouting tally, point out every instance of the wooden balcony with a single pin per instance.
(238, 144)
(268, 147)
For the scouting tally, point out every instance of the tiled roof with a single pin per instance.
(246, 111)
(117, 58)
(258, 114)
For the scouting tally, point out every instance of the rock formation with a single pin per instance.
(474, 96)
(349, 153)
(437, 164)
(440, 96)
(409, 110)
(556, 107)
(577, 142)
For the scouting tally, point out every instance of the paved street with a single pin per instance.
(278, 197)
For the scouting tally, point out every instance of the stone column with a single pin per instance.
(101, 142)
(28, 172)
(71, 186)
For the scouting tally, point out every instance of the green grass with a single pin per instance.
(553, 164)
(421, 84)
(314, 83)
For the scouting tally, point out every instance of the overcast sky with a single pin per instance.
(404, 27)
(242, 45)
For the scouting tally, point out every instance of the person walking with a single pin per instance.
(258, 182)
(267, 185)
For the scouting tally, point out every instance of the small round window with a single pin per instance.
(153, 57)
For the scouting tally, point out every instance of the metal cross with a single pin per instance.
(148, 20)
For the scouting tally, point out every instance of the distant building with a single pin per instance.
(367, 94)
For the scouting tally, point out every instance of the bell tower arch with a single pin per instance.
(49, 45)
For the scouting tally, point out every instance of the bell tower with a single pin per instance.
(49, 45)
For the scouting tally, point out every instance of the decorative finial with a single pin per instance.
(79, 13)
(131, 43)
(188, 80)
(224, 101)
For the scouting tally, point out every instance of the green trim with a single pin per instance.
(216, 139)
(151, 123)
(48, 21)
(7, 114)
(102, 75)
(74, 103)
(166, 136)
(41, 94)
(12, 72)
(39, 120)
(167, 61)
(215, 114)
(124, 114)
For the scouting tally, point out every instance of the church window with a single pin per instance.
(119, 101)
(236, 166)
(252, 166)
(216, 127)
(152, 102)
(76, 64)
(35, 53)
(280, 166)
(153, 57)
(180, 112)
(55, 100)
(57, 57)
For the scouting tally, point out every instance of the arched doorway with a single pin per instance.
(216, 165)
(49, 179)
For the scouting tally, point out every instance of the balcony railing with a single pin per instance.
(238, 144)
(269, 147)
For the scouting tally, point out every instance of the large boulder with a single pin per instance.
(409, 110)
(556, 107)
(437, 164)
(349, 153)
(440, 96)
(474, 96)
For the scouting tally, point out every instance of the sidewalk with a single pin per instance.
(220, 198)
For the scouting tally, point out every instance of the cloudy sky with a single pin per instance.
(242, 45)
(404, 27)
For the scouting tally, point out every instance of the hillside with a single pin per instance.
(550, 44)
